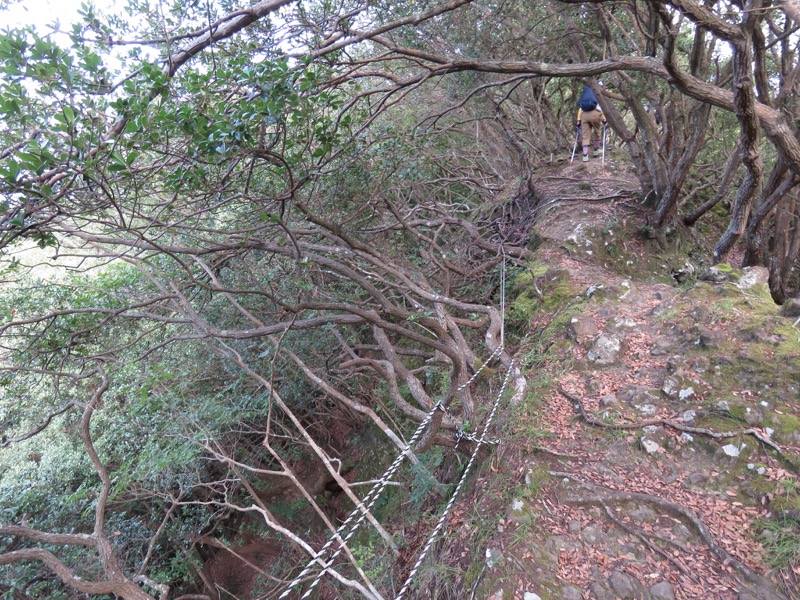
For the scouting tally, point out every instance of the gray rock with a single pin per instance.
(601, 592)
(609, 401)
(764, 335)
(593, 386)
(752, 276)
(649, 446)
(662, 591)
(675, 362)
(653, 438)
(581, 328)
(493, 556)
(625, 323)
(638, 394)
(695, 478)
(699, 364)
(663, 295)
(682, 533)
(643, 514)
(670, 387)
(574, 526)
(705, 337)
(557, 543)
(791, 308)
(731, 450)
(571, 592)
(625, 586)
(662, 347)
(519, 511)
(760, 592)
(592, 534)
(753, 416)
(648, 410)
(651, 373)
(531, 596)
(760, 469)
(712, 275)
(606, 350)
(688, 417)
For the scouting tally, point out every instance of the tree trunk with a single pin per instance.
(781, 181)
(745, 109)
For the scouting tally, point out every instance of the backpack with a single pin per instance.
(588, 101)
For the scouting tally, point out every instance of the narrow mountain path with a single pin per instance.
(659, 444)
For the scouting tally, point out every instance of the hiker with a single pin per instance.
(590, 121)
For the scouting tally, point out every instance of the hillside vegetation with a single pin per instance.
(313, 299)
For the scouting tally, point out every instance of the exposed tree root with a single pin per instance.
(553, 452)
(646, 541)
(717, 435)
(613, 496)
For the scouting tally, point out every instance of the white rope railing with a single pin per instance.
(480, 442)
(453, 498)
(372, 496)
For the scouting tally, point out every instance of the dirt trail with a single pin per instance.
(659, 511)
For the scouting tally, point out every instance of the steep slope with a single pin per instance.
(656, 455)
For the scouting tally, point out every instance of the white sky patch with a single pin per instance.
(41, 13)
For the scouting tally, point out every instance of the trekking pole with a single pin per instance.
(604, 145)
(575, 147)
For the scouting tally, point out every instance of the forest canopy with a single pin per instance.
(247, 249)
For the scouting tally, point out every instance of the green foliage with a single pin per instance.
(425, 485)
(209, 200)
(370, 559)
(781, 540)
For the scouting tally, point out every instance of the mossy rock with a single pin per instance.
(786, 427)
(539, 290)
(791, 308)
(720, 273)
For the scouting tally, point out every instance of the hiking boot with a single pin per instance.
(585, 158)
(598, 153)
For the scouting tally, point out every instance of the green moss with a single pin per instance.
(755, 486)
(717, 422)
(536, 480)
(474, 571)
(789, 348)
(761, 290)
(538, 289)
(737, 412)
(785, 502)
(783, 424)
(535, 241)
